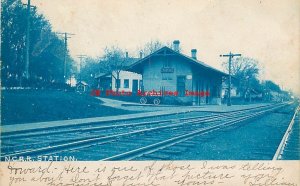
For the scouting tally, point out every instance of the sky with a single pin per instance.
(266, 30)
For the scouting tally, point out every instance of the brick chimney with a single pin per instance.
(176, 45)
(194, 53)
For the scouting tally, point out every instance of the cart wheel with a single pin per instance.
(156, 101)
(143, 100)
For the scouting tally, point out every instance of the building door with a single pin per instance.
(105, 84)
(135, 86)
(181, 85)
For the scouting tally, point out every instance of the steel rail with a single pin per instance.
(67, 128)
(206, 118)
(283, 142)
(171, 122)
(96, 139)
(175, 140)
(87, 129)
(84, 141)
(38, 132)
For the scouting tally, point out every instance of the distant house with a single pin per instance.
(237, 97)
(128, 81)
(275, 96)
(254, 95)
(169, 70)
(82, 86)
(234, 92)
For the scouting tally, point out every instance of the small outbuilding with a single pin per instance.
(82, 86)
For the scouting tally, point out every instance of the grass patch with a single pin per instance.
(23, 106)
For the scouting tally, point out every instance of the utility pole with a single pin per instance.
(27, 39)
(230, 55)
(81, 56)
(66, 36)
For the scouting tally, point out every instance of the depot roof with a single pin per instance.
(137, 66)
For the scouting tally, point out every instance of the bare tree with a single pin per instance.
(113, 62)
(150, 47)
(245, 70)
(154, 45)
(89, 69)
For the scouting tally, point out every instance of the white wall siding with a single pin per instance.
(125, 75)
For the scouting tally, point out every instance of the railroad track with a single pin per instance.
(289, 145)
(39, 142)
(152, 148)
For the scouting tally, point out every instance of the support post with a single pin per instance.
(27, 41)
(230, 55)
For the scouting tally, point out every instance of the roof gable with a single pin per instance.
(168, 51)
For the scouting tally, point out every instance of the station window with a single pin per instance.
(126, 83)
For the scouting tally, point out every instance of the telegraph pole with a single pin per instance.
(81, 56)
(27, 39)
(230, 55)
(66, 36)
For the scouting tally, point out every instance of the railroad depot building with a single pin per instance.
(169, 70)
